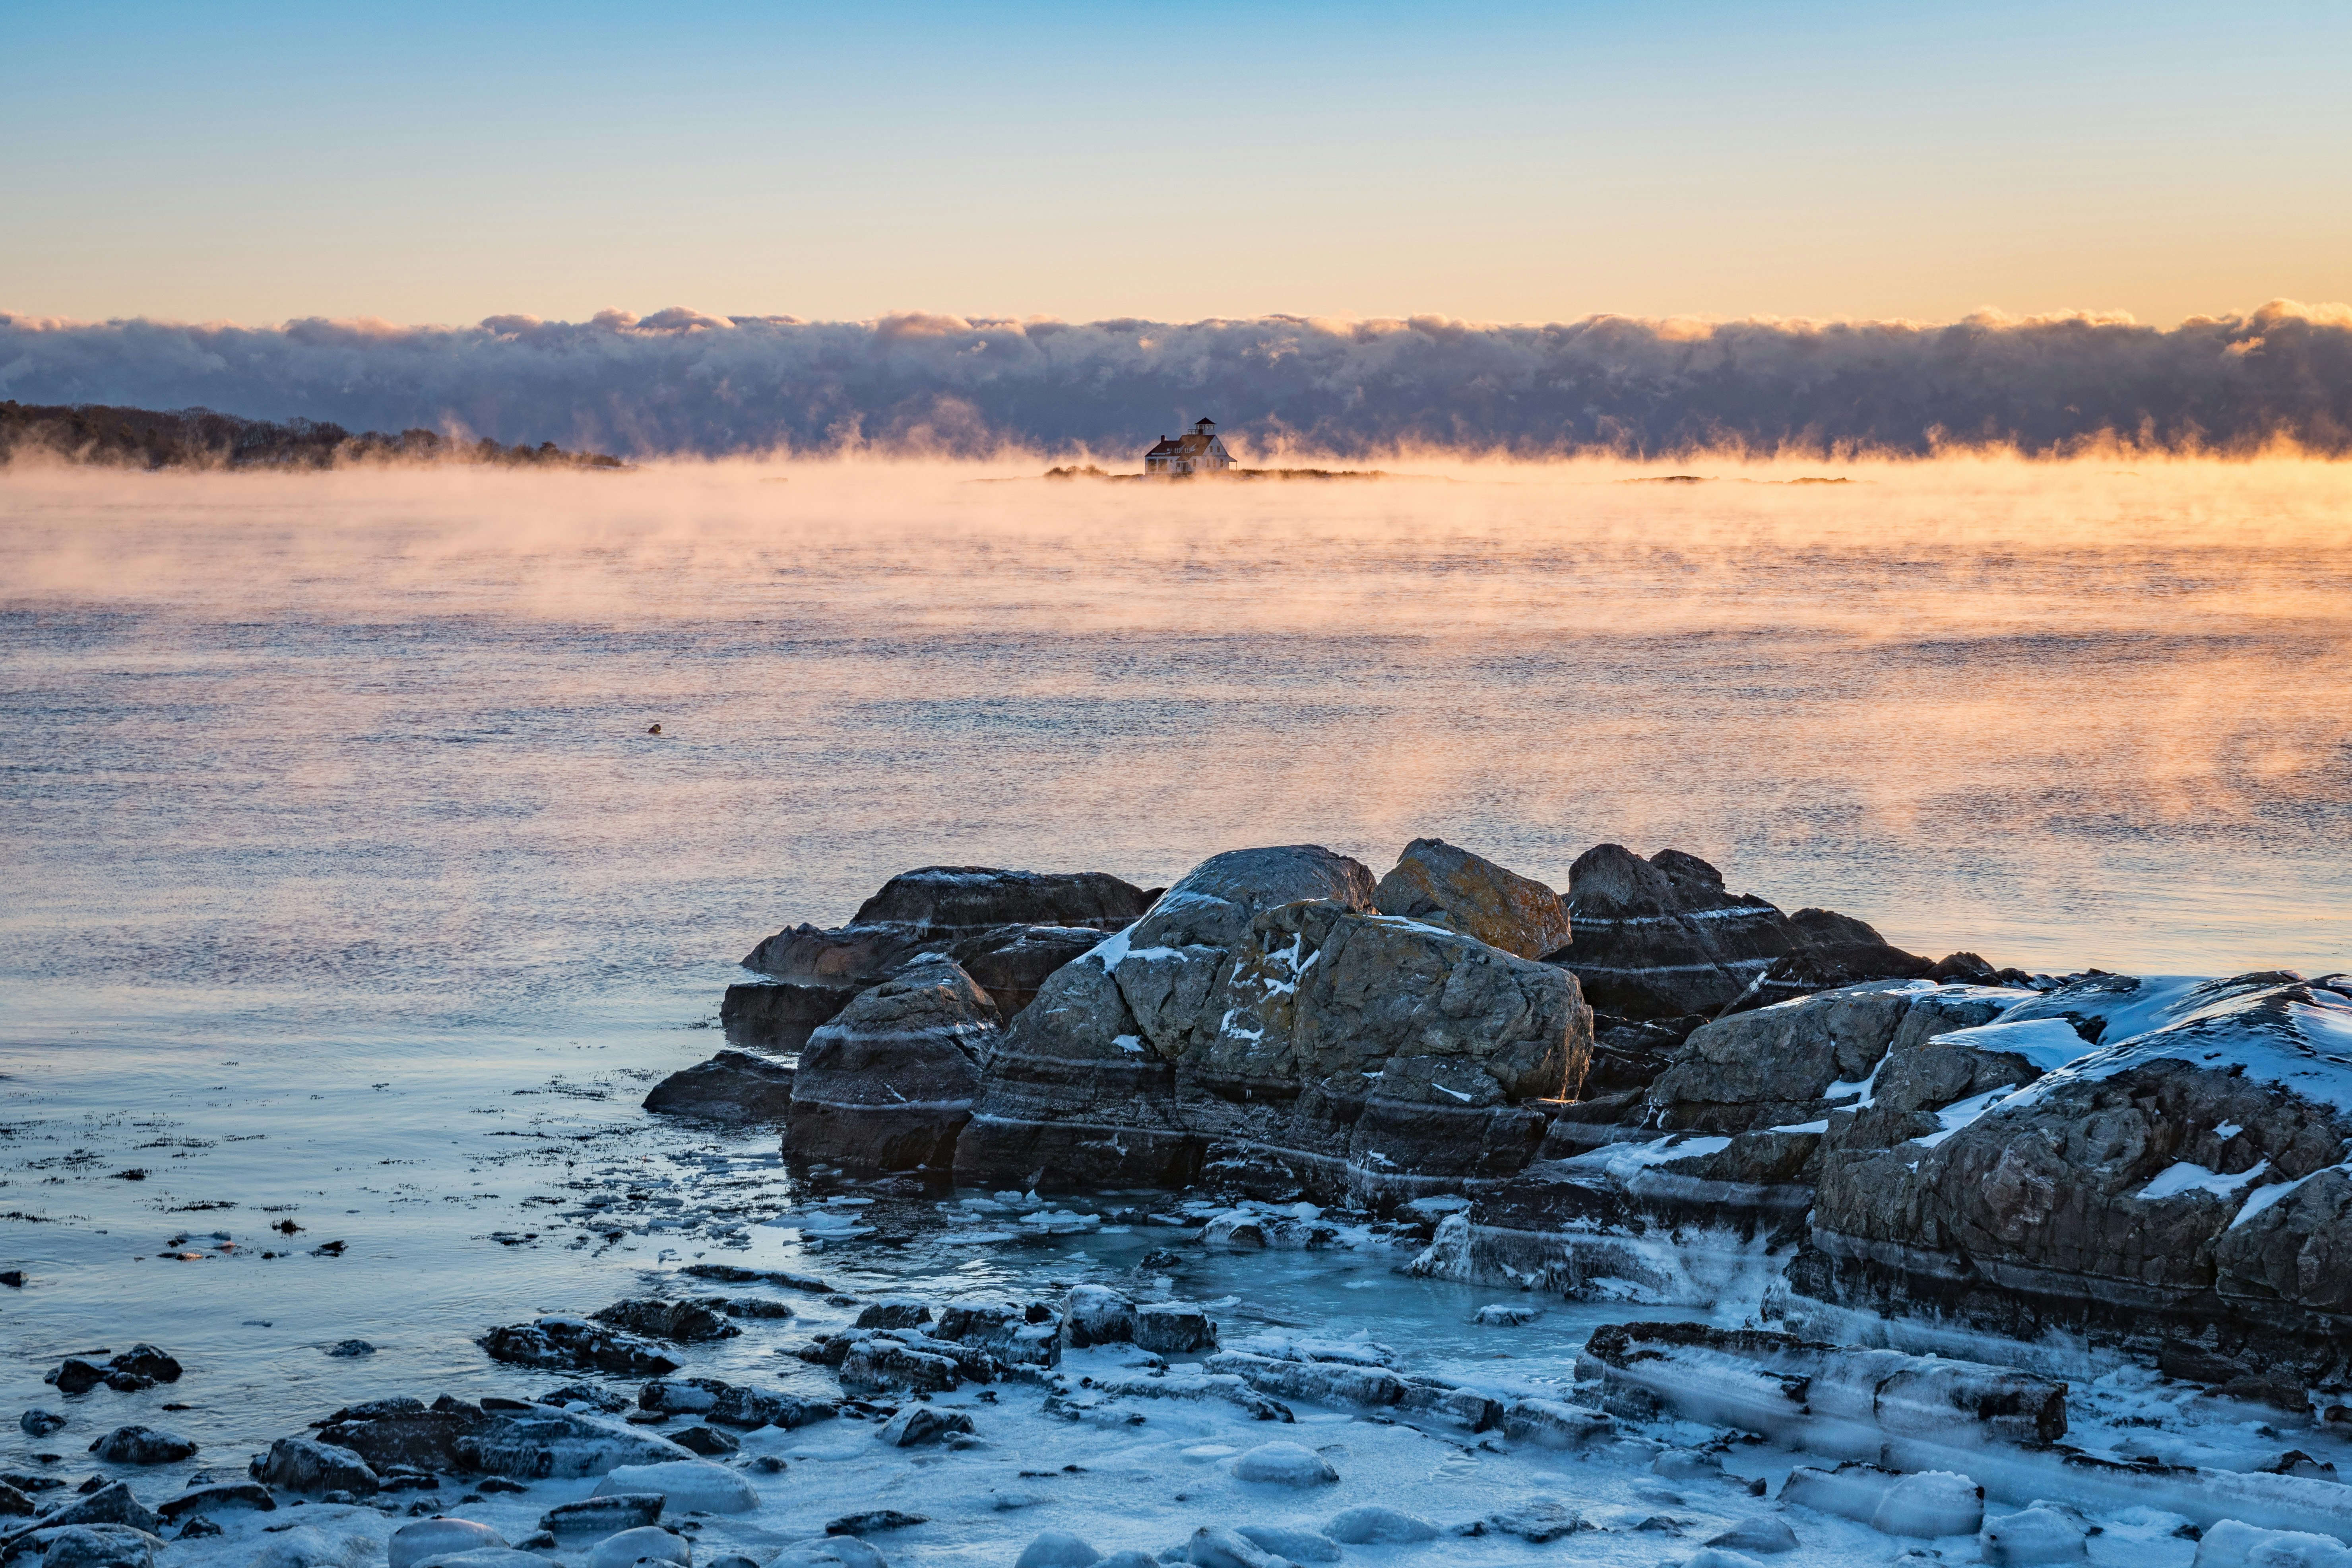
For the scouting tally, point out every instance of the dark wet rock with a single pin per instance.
(301, 1465)
(75, 1375)
(888, 1084)
(1174, 1328)
(877, 1363)
(344, 1348)
(13, 1277)
(1263, 1015)
(778, 1015)
(1661, 938)
(1015, 1336)
(732, 1405)
(12, 1501)
(708, 1441)
(1537, 1520)
(197, 1527)
(1436, 883)
(875, 1522)
(614, 1511)
(932, 909)
(577, 1344)
(220, 1496)
(733, 1087)
(1011, 963)
(586, 1394)
(145, 1361)
(40, 1423)
(401, 1434)
(111, 1503)
(893, 1315)
(919, 1423)
(142, 1445)
(690, 1321)
(2186, 1182)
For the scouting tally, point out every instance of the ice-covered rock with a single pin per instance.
(1719, 1557)
(606, 1512)
(1783, 1386)
(217, 1497)
(1213, 1546)
(85, 1546)
(1537, 1520)
(893, 1314)
(301, 1465)
(1285, 1464)
(733, 1087)
(1763, 1535)
(1291, 1545)
(1549, 1423)
(577, 1344)
(2045, 1532)
(1373, 1525)
(889, 1082)
(1507, 1314)
(646, 1543)
(1057, 1549)
(919, 1423)
(686, 1484)
(439, 1537)
(1687, 1465)
(1438, 884)
(1325, 1383)
(833, 1551)
(731, 1404)
(1849, 1491)
(489, 1557)
(690, 1321)
(2190, 1173)
(2233, 1544)
(1930, 1503)
(141, 1446)
(879, 1362)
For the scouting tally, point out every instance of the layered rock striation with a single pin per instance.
(1266, 1017)
(889, 1083)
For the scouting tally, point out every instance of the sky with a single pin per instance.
(432, 163)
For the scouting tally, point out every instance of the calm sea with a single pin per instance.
(346, 887)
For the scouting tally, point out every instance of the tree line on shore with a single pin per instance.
(106, 436)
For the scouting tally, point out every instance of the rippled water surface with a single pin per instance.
(346, 887)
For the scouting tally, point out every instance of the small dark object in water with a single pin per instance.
(347, 1348)
(875, 1522)
(13, 1277)
(654, 731)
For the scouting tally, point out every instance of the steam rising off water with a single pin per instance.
(333, 826)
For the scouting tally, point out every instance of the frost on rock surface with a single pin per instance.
(1266, 1025)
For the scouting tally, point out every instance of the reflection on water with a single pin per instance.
(343, 873)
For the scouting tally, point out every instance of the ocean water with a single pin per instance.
(347, 889)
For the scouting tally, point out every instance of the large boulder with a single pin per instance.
(734, 1088)
(1441, 885)
(1011, 963)
(888, 1084)
(1074, 1095)
(932, 909)
(779, 1014)
(1266, 1015)
(1661, 938)
(2184, 1181)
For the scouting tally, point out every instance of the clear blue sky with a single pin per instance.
(430, 162)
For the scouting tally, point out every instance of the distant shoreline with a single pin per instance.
(97, 435)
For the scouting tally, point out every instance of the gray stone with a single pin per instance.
(301, 1465)
(1012, 962)
(219, 1497)
(689, 1321)
(889, 1083)
(934, 907)
(734, 1088)
(616, 1511)
(1057, 1549)
(921, 1424)
(732, 1405)
(1373, 1525)
(574, 1344)
(1437, 883)
(142, 1445)
(1291, 1545)
(40, 1423)
(89, 1546)
(1765, 1535)
(777, 1015)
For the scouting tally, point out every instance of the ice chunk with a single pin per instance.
(1373, 1525)
(1770, 1536)
(2046, 1532)
(1292, 1546)
(412, 1543)
(1057, 1549)
(2231, 1544)
(1853, 1490)
(685, 1485)
(1284, 1464)
(1931, 1503)
(646, 1543)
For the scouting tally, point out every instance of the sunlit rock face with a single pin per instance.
(1661, 938)
(2186, 1179)
(1264, 1016)
(1440, 885)
(932, 909)
(888, 1084)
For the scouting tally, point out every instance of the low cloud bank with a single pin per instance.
(681, 382)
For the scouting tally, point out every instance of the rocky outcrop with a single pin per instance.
(779, 1014)
(734, 1088)
(1264, 1016)
(1011, 963)
(2185, 1182)
(932, 909)
(1441, 885)
(1661, 938)
(889, 1083)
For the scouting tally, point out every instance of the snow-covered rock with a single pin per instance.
(1057, 1549)
(2232, 1544)
(685, 1485)
(1291, 1545)
(1930, 1503)
(1373, 1525)
(646, 1543)
(412, 1543)
(2045, 1532)
(1285, 1464)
